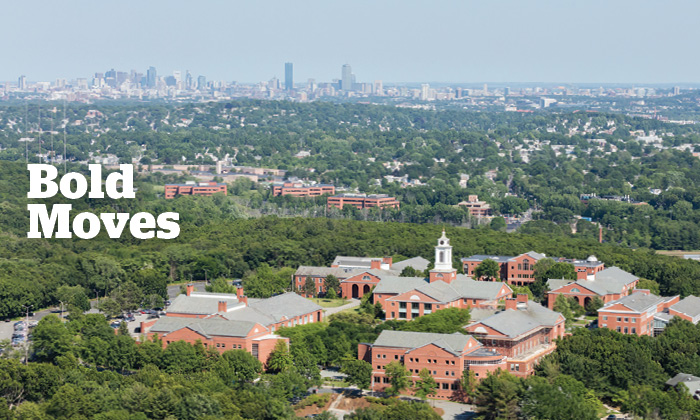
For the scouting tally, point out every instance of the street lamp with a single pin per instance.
(61, 302)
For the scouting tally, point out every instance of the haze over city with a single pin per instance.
(459, 42)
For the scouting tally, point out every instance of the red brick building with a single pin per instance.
(477, 208)
(202, 188)
(411, 297)
(610, 284)
(520, 270)
(362, 201)
(688, 309)
(300, 189)
(634, 313)
(446, 356)
(524, 333)
(225, 321)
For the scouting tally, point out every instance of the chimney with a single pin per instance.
(387, 260)
(511, 303)
(239, 293)
(243, 299)
(222, 306)
(521, 298)
(189, 289)
(376, 264)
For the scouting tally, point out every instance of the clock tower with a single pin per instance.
(443, 261)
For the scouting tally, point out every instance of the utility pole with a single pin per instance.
(61, 302)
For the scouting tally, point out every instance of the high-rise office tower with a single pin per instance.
(346, 81)
(424, 92)
(151, 77)
(201, 83)
(22, 82)
(189, 82)
(288, 76)
(378, 88)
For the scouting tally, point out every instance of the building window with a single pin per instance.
(605, 318)
(627, 320)
(634, 330)
(625, 330)
(383, 356)
(427, 308)
(445, 385)
(619, 319)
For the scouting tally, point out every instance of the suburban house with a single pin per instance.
(609, 284)
(445, 356)
(224, 321)
(520, 270)
(524, 333)
(635, 313)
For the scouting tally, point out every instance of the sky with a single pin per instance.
(463, 41)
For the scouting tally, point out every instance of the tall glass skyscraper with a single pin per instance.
(151, 77)
(288, 76)
(346, 81)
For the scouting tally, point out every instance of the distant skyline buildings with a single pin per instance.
(288, 76)
(347, 78)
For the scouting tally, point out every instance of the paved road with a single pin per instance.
(353, 303)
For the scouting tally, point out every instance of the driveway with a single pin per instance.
(353, 303)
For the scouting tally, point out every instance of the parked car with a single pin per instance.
(167, 303)
(33, 324)
(115, 324)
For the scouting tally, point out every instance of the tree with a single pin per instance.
(468, 383)
(220, 285)
(541, 269)
(565, 399)
(358, 372)
(650, 285)
(409, 271)
(563, 306)
(51, 339)
(236, 367)
(498, 224)
(279, 359)
(497, 397)
(310, 287)
(331, 282)
(399, 377)
(128, 296)
(594, 304)
(330, 294)
(110, 307)
(562, 270)
(426, 385)
(488, 269)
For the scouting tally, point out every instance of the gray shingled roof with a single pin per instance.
(454, 343)
(615, 275)
(515, 322)
(341, 273)
(207, 327)
(462, 287)
(287, 305)
(201, 303)
(690, 381)
(497, 258)
(419, 263)
(689, 306)
(638, 302)
(396, 284)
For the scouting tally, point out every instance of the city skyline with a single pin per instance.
(409, 42)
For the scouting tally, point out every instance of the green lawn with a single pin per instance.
(329, 303)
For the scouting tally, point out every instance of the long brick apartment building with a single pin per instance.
(445, 356)
(301, 189)
(224, 321)
(362, 201)
(520, 270)
(192, 188)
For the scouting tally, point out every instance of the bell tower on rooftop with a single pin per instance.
(443, 261)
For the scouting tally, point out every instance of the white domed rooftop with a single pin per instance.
(592, 258)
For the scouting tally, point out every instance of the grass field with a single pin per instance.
(677, 253)
(329, 303)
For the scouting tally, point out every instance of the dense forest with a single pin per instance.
(542, 161)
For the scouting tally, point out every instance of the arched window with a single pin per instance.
(575, 290)
(526, 264)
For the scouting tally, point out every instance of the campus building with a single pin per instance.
(224, 321)
(524, 333)
(609, 284)
(301, 189)
(477, 208)
(520, 270)
(192, 188)
(636, 312)
(446, 356)
(362, 201)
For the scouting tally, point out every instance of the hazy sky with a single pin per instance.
(635, 41)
